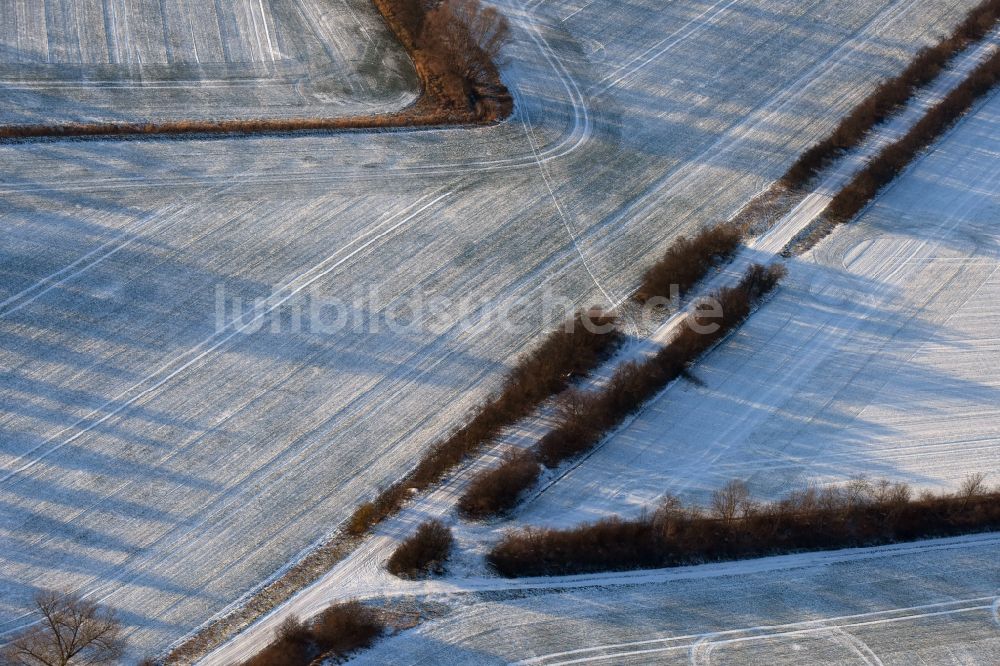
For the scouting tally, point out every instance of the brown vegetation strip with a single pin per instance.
(498, 490)
(570, 352)
(736, 527)
(585, 418)
(331, 635)
(687, 261)
(894, 158)
(453, 45)
(892, 94)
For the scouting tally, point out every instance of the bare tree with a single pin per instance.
(973, 485)
(669, 514)
(487, 28)
(573, 404)
(730, 500)
(70, 632)
(469, 36)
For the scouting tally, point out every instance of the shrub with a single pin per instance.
(892, 94)
(346, 627)
(860, 513)
(363, 518)
(292, 646)
(336, 632)
(571, 351)
(423, 553)
(580, 428)
(884, 167)
(496, 491)
(688, 261)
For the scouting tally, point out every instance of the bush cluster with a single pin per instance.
(498, 490)
(861, 513)
(892, 94)
(894, 158)
(688, 261)
(455, 46)
(423, 553)
(585, 417)
(571, 351)
(336, 632)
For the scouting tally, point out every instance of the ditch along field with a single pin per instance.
(167, 466)
(139, 60)
(877, 357)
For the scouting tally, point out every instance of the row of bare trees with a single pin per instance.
(892, 94)
(885, 166)
(687, 261)
(569, 352)
(585, 417)
(735, 526)
(329, 637)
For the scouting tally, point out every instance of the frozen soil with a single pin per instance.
(877, 358)
(933, 602)
(166, 464)
(128, 60)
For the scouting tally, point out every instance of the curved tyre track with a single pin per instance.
(568, 143)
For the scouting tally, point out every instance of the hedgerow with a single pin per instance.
(892, 94)
(736, 527)
(571, 351)
(687, 261)
(583, 424)
(885, 166)
(498, 490)
(585, 417)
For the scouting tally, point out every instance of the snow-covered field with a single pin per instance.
(167, 465)
(926, 603)
(147, 31)
(878, 357)
(159, 59)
